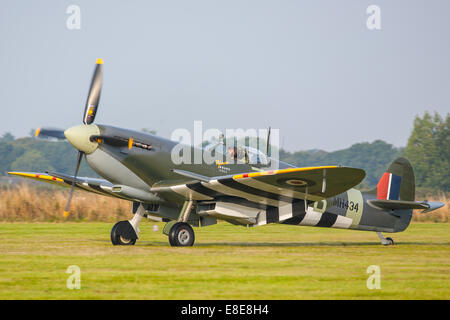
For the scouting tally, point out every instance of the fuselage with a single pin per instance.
(148, 163)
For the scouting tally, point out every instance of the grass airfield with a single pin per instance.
(226, 262)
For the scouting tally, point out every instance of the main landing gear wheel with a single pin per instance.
(181, 235)
(123, 234)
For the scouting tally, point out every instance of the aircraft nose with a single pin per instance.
(79, 137)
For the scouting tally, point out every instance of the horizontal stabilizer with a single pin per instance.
(404, 205)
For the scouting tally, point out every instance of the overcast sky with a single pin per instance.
(309, 68)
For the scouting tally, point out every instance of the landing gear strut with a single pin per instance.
(385, 241)
(181, 233)
(125, 233)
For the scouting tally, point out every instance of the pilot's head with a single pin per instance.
(232, 151)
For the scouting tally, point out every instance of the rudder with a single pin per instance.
(398, 182)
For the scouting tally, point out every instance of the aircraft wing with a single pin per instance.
(99, 186)
(314, 183)
(272, 188)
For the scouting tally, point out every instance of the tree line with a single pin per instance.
(428, 149)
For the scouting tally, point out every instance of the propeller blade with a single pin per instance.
(93, 98)
(80, 156)
(268, 144)
(50, 133)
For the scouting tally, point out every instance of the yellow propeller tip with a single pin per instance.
(130, 143)
(66, 214)
(38, 130)
(99, 61)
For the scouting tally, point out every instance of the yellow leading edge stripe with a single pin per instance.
(272, 172)
(238, 176)
(36, 176)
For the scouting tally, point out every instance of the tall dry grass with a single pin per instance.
(439, 215)
(26, 202)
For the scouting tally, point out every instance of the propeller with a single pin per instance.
(90, 110)
(50, 133)
(77, 167)
(95, 90)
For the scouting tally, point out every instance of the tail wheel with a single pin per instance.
(390, 241)
(120, 236)
(181, 235)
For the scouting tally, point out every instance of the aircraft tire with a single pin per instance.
(390, 241)
(181, 235)
(120, 235)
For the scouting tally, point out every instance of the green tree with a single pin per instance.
(147, 130)
(59, 154)
(374, 158)
(7, 137)
(428, 149)
(32, 160)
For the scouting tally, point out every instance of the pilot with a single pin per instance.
(233, 153)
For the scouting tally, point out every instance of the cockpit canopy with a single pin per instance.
(241, 154)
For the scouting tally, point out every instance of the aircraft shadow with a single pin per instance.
(283, 244)
(310, 244)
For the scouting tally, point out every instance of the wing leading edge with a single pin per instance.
(99, 186)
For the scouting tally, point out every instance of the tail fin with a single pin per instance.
(396, 194)
(398, 182)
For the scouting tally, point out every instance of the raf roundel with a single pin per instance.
(296, 182)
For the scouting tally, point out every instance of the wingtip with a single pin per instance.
(16, 173)
(22, 174)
